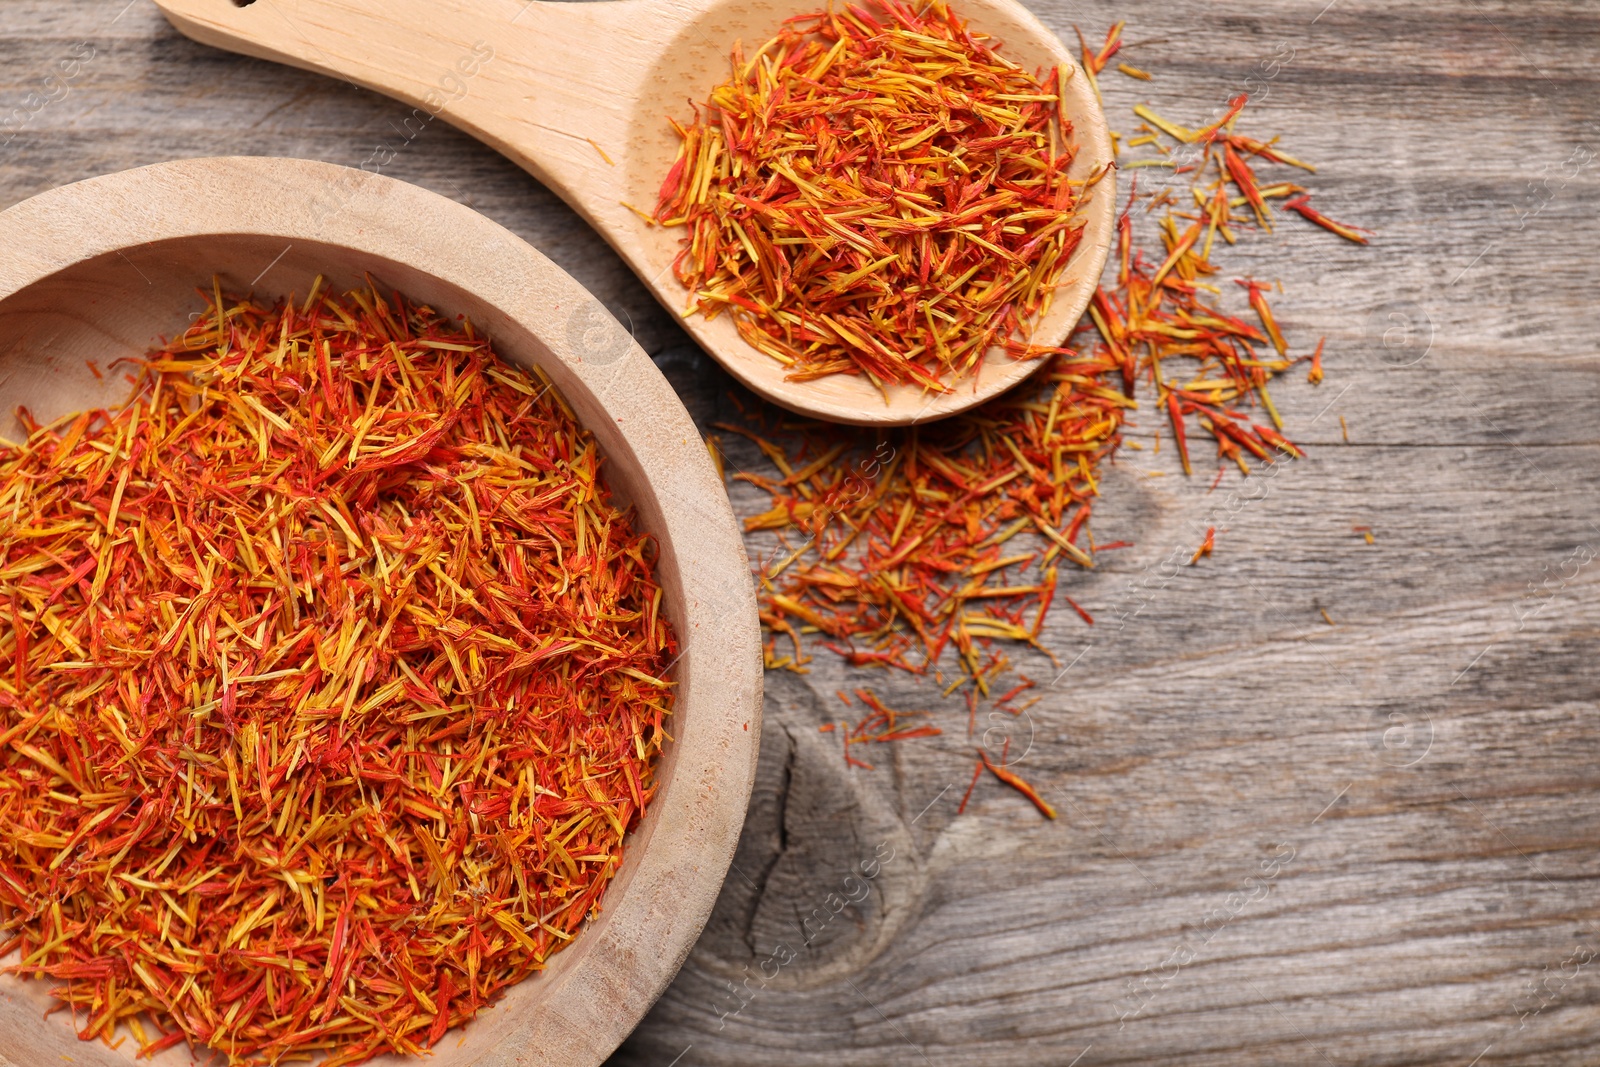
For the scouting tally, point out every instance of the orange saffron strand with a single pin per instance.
(331, 682)
(1018, 784)
(1302, 205)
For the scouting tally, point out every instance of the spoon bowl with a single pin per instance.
(105, 268)
(578, 95)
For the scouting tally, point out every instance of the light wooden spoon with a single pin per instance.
(578, 94)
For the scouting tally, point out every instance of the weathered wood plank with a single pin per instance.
(1419, 778)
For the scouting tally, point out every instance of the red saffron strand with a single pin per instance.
(331, 682)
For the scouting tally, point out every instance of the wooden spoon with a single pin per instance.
(578, 94)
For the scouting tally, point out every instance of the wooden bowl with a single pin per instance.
(103, 268)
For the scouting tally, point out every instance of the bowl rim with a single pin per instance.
(592, 994)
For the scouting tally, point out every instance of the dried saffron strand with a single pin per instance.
(977, 771)
(923, 540)
(1158, 316)
(1017, 783)
(881, 724)
(877, 193)
(1094, 63)
(1302, 206)
(330, 683)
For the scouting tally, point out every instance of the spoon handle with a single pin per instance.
(554, 86)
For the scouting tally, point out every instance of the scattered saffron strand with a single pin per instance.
(1018, 784)
(881, 724)
(912, 544)
(977, 770)
(1302, 206)
(1206, 546)
(856, 216)
(330, 682)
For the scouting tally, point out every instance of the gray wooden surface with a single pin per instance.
(1281, 842)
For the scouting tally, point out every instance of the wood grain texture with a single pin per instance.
(1420, 779)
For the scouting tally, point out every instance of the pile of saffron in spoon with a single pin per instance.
(879, 193)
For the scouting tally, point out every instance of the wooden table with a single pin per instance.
(1281, 841)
